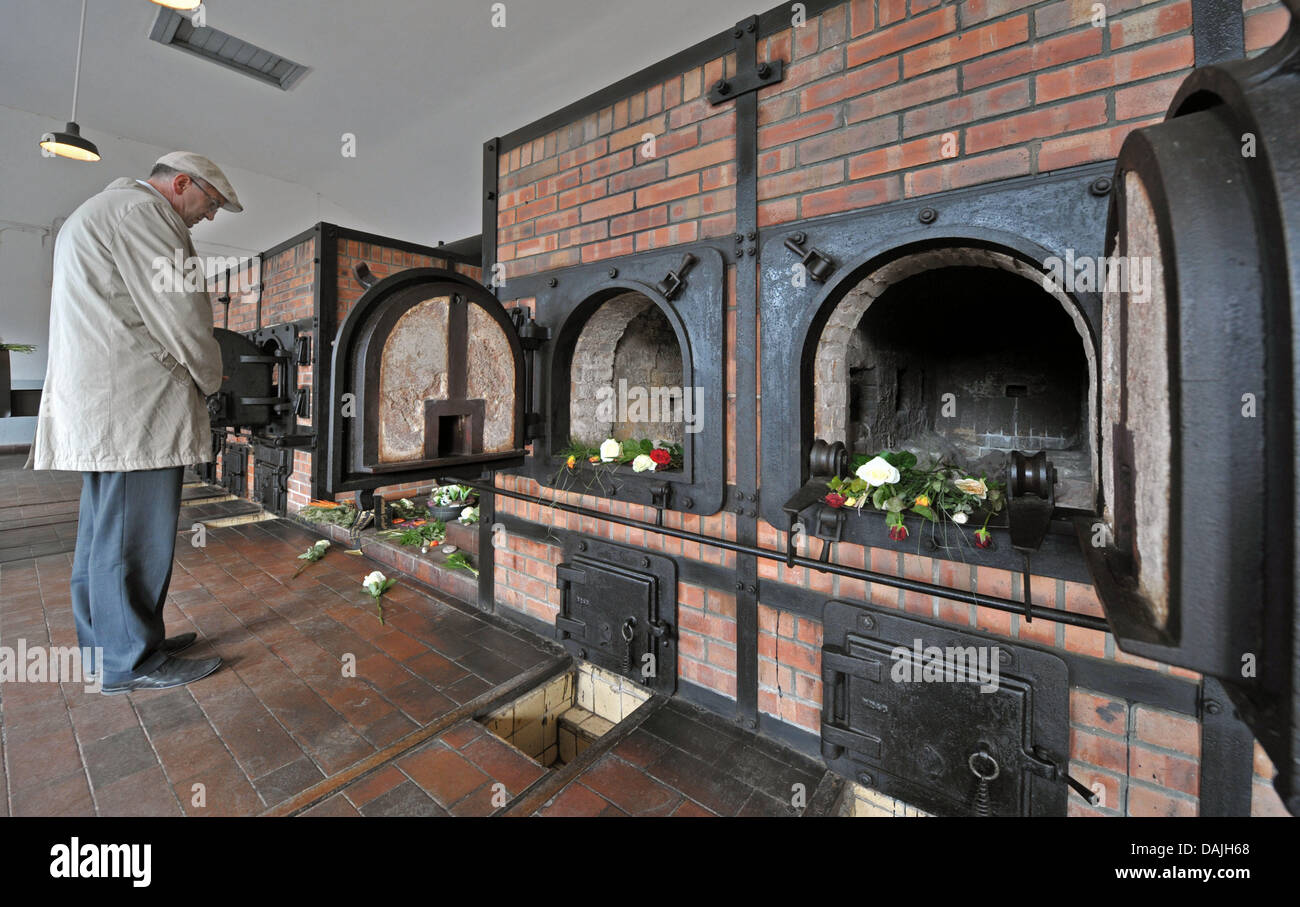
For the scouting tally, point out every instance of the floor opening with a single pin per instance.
(554, 723)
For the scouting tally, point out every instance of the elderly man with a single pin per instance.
(131, 359)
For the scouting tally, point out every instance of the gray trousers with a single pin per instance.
(123, 564)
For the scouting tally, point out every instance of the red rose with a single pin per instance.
(898, 533)
(983, 538)
(834, 500)
(661, 456)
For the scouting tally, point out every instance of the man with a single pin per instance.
(131, 360)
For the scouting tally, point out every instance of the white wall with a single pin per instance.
(36, 190)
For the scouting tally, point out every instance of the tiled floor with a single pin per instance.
(309, 713)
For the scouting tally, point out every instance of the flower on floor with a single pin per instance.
(377, 584)
(311, 555)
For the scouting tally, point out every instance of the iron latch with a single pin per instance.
(1031, 501)
(818, 265)
(660, 495)
(564, 575)
(568, 628)
(673, 282)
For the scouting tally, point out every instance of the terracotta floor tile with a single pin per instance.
(115, 757)
(503, 763)
(145, 793)
(445, 774)
(66, 796)
(575, 800)
(404, 800)
(363, 790)
(334, 807)
(629, 788)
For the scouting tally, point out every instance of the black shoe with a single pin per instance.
(173, 672)
(170, 646)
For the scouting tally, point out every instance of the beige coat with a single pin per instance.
(131, 354)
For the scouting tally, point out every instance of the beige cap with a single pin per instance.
(197, 165)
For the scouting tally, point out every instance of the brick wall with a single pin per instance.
(882, 100)
(289, 281)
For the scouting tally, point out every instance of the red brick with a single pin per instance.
(801, 180)
(581, 195)
(640, 175)
(900, 97)
(1100, 751)
(778, 212)
(1266, 28)
(1146, 801)
(850, 85)
(845, 141)
(907, 34)
(776, 161)
(891, 11)
(896, 157)
(1150, 24)
(615, 204)
(1086, 147)
(1110, 715)
(717, 127)
(669, 236)
(1146, 98)
(605, 166)
(968, 172)
(969, 107)
(802, 127)
(975, 11)
(638, 220)
(610, 248)
(665, 191)
(1176, 732)
(1116, 69)
(862, 17)
(704, 156)
(966, 45)
(1072, 13)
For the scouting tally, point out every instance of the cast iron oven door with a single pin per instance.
(619, 610)
(920, 712)
(1022, 225)
(428, 379)
(1195, 560)
(682, 290)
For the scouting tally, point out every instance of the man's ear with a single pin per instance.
(181, 182)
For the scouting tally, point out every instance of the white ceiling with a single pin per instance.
(421, 84)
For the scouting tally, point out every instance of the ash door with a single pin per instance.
(1195, 559)
(429, 379)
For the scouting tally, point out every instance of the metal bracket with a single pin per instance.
(764, 74)
(660, 496)
(818, 265)
(829, 527)
(673, 282)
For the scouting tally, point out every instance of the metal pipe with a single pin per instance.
(1071, 618)
(76, 73)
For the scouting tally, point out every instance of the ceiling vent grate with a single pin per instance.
(212, 44)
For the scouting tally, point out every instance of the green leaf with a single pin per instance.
(836, 483)
(925, 512)
(880, 496)
(904, 460)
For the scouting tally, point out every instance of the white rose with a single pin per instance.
(373, 579)
(610, 450)
(643, 463)
(975, 487)
(959, 519)
(878, 472)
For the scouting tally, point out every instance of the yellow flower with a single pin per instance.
(571, 461)
(850, 502)
(922, 501)
(593, 459)
(974, 487)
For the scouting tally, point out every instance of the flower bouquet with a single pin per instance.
(446, 502)
(942, 494)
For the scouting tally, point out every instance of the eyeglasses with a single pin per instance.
(213, 203)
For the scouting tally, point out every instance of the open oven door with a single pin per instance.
(1195, 560)
(429, 378)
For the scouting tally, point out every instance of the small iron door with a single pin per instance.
(951, 722)
(619, 611)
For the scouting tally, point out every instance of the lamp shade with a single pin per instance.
(180, 4)
(70, 144)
